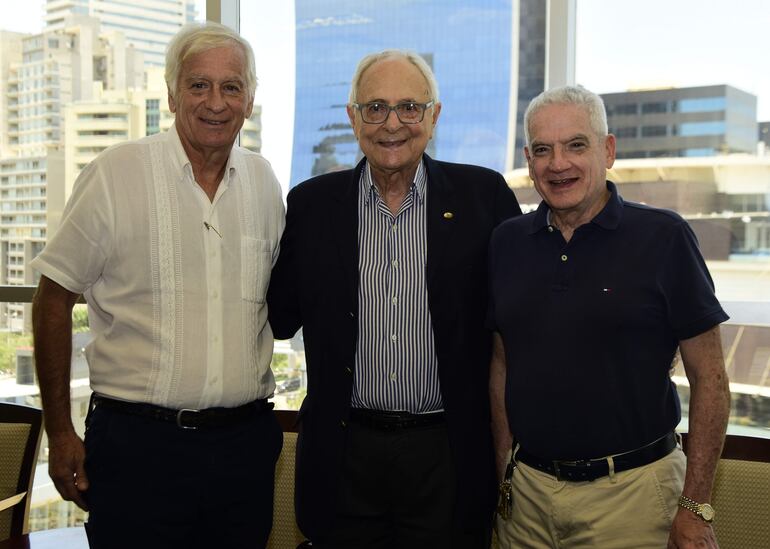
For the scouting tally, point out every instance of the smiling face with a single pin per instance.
(211, 101)
(393, 147)
(568, 161)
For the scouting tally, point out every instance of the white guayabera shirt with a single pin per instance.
(175, 283)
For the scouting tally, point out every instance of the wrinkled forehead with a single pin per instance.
(560, 120)
(393, 79)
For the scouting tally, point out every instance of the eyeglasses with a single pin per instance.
(407, 112)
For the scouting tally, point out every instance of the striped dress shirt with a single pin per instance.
(396, 365)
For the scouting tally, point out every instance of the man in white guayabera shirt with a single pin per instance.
(171, 239)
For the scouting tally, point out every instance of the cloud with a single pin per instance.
(354, 19)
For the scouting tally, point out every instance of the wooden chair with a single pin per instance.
(20, 432)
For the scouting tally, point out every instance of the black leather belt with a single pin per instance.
(392, 421)
(591, 469)
(186, 418)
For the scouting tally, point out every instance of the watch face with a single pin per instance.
(707, 512)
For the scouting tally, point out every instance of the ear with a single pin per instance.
(352, 117)
(609, 145)
(171, 102)
(529, 163)
(436, 113)
(436, 110)
(249, 107)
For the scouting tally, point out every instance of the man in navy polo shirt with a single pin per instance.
(590, 297)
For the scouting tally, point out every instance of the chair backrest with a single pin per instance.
(285, 533)
(741, 494)
(20, 432)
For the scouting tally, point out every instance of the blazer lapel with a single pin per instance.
(440, 221)
(344, 222)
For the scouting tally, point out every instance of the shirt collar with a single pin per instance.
(181, 163)
(608, 218)
(369, 189)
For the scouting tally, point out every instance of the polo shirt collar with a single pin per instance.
(182, 165)
(609, 218)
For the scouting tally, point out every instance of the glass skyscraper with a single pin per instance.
(468, 44)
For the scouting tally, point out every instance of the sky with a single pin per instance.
(621, 45)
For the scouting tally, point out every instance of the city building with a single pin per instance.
(10, 53)
(23, 197)
(764, 136)
(488, 57)
(148, 25)
(671, 122)
(58, 67)
(530, 79)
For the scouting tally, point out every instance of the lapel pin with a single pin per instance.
(448, 215)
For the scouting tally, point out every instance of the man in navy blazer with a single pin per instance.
(385, 268)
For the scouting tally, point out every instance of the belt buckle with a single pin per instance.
(569, 463)
(556, 470)
(179, 418)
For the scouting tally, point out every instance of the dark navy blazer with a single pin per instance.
(314, 285)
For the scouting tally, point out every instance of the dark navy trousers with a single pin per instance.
(155, 485)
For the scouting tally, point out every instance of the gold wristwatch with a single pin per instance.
(703, 510)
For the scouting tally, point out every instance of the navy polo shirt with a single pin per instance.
(590, 326)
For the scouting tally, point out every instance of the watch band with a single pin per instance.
(703, 510)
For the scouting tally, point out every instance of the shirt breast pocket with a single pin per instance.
(256, 262)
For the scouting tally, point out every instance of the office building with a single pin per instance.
(479, 59)
(672, 122)
(147, 25)
(10, 53)
(23, 190)
(764, 136)
(58, 67)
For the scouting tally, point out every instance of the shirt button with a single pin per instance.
(395, 263)
(550, 228)
(342, 423)
(564, 258)
(215, 294)
(393, 376)
(393, 337)
(348, 369)
(395, 300)
(393, 228)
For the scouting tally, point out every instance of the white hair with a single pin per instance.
(414, 58)
(197, 38)
(570, 95)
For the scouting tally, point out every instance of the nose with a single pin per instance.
(558, 161)
(215, 100)
(392, 121)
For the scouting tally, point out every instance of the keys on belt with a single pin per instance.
(505, 500)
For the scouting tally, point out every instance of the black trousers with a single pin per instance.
(398, 492)
(154, 485)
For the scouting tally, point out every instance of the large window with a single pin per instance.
(490, 57)
(717, 93)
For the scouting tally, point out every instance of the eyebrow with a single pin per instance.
(578, 136)
(397, 102)
(193, 77)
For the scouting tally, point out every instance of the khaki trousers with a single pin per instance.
(631, 509)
